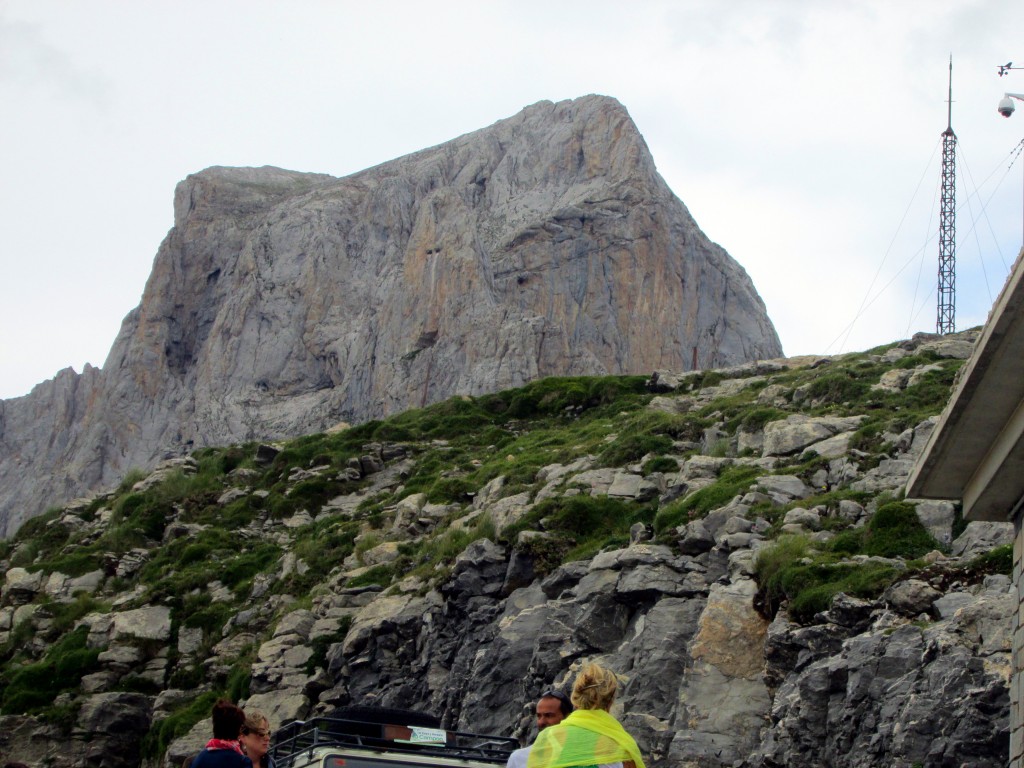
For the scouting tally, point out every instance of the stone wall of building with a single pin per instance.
(1017, 685)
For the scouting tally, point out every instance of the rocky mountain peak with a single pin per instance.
(282, 303)
(221, 190)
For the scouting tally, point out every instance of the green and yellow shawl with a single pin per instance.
(586, 737)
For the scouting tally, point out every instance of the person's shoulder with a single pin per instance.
(518, 758)
(220, 758)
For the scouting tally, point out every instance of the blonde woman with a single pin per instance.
(590, 736)
(255, 738)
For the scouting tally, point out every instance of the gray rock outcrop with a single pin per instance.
(715, 671)
(928, 692)
(283, 303)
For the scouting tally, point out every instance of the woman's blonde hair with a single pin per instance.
(594, 688)
(255, 721)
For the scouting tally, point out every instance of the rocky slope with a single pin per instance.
(282, 303)
(733, 543)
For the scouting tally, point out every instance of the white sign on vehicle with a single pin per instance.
(426, 736)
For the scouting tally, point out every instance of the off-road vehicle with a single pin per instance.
(364, 737)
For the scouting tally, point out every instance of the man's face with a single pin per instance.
(549, 712)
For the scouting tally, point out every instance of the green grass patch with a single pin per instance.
(65, 615)
(451, 490)
(756, 418)
(77, 561)
(312, 494)
(186, 566)
(32, 687)
(792, 569)
(178, 723)
(997, 560)
(322, 644)
(812, 587)
(896, 531)
(837, 388)
(428, 558)
(554, 395)
(732, 481)
(632, 447)
(379, 575)
(664, 464)
(579, 526)
(44, 535)
(206, 615)
(19, 637)
(547, 552)
(131, 477)
(809, 578)
(323, 545)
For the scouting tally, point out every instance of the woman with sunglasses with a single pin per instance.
(255, 739)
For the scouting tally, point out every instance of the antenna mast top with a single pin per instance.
(945, 321)
(949, 101)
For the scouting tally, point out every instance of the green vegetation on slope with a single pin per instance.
(205, 554)
(809, 575)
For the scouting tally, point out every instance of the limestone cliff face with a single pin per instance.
(282, 303)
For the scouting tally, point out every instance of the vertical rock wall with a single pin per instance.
(282, 303)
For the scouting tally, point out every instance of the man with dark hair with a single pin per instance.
(552, 707)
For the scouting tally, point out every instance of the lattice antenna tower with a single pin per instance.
(946, 317)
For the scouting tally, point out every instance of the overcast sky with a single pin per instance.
(804, 137)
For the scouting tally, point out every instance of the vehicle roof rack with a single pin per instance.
(299, 736)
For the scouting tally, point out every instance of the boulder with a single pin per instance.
(805, 518)
(783, 486)
(725, 700)
(385, 552)
(911, 597)
(894, 380)
(938, 517)
(111, 727)
(799, 432)
(889, 475)
(188, 745)
(947, 605)
(628, 485)
(20, 586)
(509, 510)
(694, 538)
(980, 537)
(955, 348)
(149, 623)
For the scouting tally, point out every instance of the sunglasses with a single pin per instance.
(566, 701)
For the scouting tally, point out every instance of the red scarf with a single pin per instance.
(225, 744)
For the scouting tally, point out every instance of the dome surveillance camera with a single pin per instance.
(1006, 107)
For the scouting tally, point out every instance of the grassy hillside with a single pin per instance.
(192, 537)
